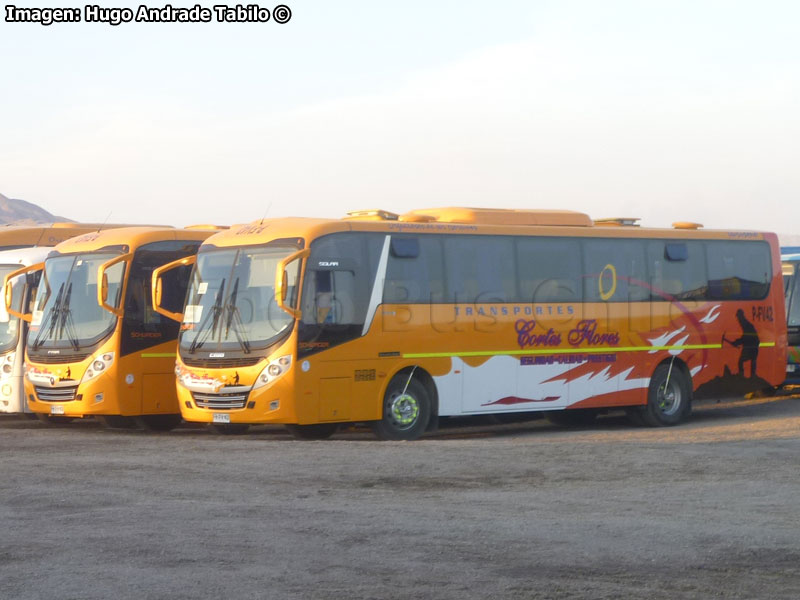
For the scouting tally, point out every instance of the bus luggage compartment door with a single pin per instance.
(335, 398)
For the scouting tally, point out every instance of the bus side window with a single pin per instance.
(415, 277)
(549, 269)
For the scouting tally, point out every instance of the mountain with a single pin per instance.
(20, 212)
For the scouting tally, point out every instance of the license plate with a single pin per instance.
(221, 418)
(791, 368)
(56, 410)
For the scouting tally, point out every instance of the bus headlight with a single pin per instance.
(99, 364)
(7, 366)
(272, 371)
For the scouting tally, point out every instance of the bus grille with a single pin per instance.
(59, 394)
(55, 359)
(220, 401)
(220, 363)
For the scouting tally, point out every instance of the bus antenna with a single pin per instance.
(104, 222)
(261, 222)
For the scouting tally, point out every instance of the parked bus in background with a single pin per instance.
(95, 346)
(47, 234)
(20, 246)
(398, 320)
(13, 330)
(791, 283)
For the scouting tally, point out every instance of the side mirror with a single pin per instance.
(9, 290)
(104, 288)
(282, 282)
(102, 277)
(156, 286)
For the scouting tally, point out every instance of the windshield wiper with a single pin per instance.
(50, 319)
(66, 322)
(203, 330)
(235, 318)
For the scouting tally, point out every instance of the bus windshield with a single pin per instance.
(792, 287)
(9, 326)
(231, 305)
(66, 314)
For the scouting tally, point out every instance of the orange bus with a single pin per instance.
(398, 320)
(95, 345)
(25, 245)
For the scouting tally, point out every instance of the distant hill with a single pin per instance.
(20, 212)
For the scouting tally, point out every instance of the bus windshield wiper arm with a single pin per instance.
(203, 331)
(49, 322)
(65, 321)
(235, 318)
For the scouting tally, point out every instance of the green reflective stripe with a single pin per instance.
(159, 355)
(604, 350)
(767, 344)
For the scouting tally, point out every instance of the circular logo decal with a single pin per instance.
(129, 378)
(306, 365)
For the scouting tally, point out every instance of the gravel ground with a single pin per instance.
(705, 510)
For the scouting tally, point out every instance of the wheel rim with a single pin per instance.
(403, 410)
(669, 400)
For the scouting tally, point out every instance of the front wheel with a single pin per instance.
(116, 421)
(406, 410)
(669, 397)
(158, 422)
(320, 431)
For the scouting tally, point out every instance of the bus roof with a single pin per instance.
(129, 238)
(467, 220)
(46, 234)
(24, 256)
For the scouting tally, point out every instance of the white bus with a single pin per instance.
(13, 330)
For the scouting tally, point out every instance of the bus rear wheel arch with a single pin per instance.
(408, 406)
(669, 396)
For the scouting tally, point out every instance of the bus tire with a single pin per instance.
(319, 431)
(576, 417)
(116, 421)
(52, 421)
(229, 428)
(666, 407)
(405, 415)
(158, 422)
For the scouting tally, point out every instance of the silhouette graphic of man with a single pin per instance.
(749, 343)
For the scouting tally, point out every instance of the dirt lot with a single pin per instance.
(704, 510)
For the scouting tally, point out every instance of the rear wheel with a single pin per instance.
(669, 397)
(230, 428)
(406, 410)
(158, 422)
(116, 421)
(53, 421)
(321, 431)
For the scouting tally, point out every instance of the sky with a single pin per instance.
(665, 110)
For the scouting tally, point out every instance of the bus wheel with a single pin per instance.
(406, 410)
(116, 421)
(321, 431)
(53, 421)
(577, 417)
(230, 428)
(158, 422)
(668, 403)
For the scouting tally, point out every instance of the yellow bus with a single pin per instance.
(95, 345)
(399, 320)
(21, 246)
